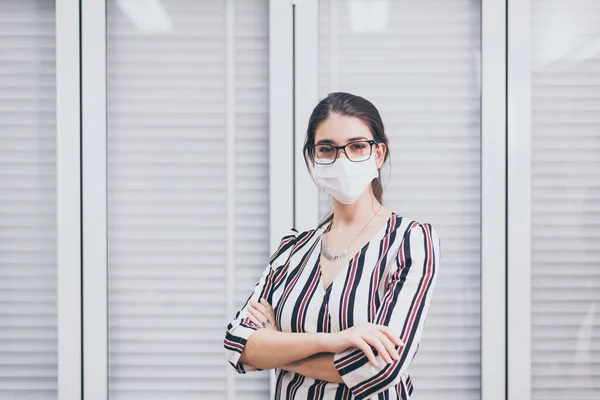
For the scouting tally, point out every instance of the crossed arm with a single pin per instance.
(306, 354)
(312, 354)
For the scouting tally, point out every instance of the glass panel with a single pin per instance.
(565, 200)
(419, 63)
(28, 238)
(174, 280)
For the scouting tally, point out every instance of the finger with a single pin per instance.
(376, 343)
(252, 313)
(264, 310)
(260, 318)
(389, 345)
(364, 346)
(393, 337)
(266, 304)
(270, 310)
(252, 317)
(260, 308)
(253, 303)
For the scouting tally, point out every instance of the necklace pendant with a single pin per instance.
(342, 255)
(333, 257)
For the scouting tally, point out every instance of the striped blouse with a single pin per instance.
(389, 281)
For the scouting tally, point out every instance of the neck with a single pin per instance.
(348, 216)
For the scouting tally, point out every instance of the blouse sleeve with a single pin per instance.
(241, 327)
(403, 309)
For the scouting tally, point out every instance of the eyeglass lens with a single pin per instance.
(355, 151)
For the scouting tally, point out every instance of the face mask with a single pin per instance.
(345, 180)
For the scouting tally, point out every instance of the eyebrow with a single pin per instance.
(353, 139)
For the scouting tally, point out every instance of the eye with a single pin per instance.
(358, 146)
(322, 149)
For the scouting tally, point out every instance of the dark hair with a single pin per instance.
(349, 105)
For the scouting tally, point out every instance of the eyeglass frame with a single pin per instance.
(338, 148)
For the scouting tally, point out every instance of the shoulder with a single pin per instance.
(285, 244)
(291, 241)
(420, 244)
(412, 230)
(293, 235)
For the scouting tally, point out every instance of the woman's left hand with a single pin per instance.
(262, 312)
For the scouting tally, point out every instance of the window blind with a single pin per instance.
(418, 62)
(565, 200)
(170, 161)
(28, 269)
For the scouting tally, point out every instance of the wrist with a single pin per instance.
(325, 342)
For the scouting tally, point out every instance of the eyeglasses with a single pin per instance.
(357, 151)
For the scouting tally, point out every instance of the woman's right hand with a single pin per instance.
(364, 336)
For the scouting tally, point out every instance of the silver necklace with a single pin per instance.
(336, 257)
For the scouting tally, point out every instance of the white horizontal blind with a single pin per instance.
(28, 298)
(170, 111)
(565, 200)
(251, 165)
(418, 62)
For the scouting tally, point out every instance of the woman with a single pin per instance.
(339, 310)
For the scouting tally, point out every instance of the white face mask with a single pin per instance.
(345, 180)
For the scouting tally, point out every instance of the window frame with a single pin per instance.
(68, 200)
(519, 199)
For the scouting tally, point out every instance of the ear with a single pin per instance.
(380, 152)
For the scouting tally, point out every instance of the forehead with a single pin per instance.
(340, 129)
